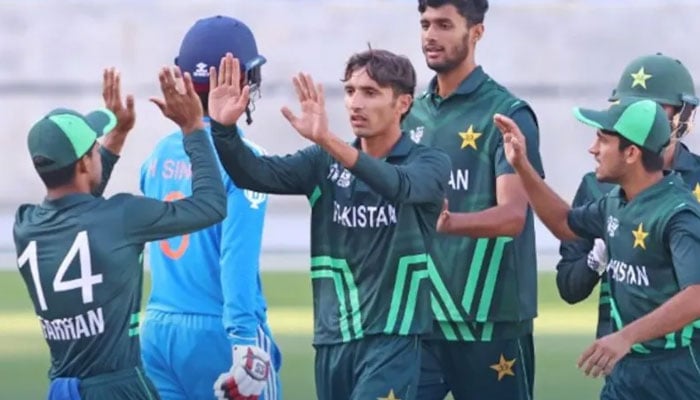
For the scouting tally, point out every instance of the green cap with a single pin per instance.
(641, 121)
(63, 136)
(656, 77)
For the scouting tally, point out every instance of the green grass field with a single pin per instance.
(562, 332)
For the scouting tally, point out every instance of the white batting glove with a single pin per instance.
(247, 377)
(598, 257)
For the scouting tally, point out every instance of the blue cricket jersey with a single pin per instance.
(214, 271)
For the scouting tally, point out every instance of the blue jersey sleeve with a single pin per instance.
(241, 237)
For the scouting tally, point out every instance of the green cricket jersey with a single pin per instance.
(371, 230)
(484, 288)
(653, 243)
(80, 257)
(575, 280)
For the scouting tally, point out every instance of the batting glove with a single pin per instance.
(247, 377)
(598, 257)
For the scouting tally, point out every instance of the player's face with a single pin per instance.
(610, 160)
(445, 38)
(372, 109)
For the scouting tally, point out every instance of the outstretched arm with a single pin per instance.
(113, 142)
(292, 174)
(552, 209)
(508, 216)
(421, 181)
(147, 219)
(576, 279)
(241, 238)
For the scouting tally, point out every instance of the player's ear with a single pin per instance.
(476, 32)
(81, 166)
(632, 154)
(404, 103)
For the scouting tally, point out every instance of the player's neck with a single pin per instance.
(449, 81)
(639, 182)
(380, 145)
(65, 190)
(670, 155)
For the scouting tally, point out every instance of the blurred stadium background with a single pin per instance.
(555, 54)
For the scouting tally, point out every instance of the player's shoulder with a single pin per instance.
(421, 102)
(23, 212)
(121, 201)
(588, 177)
(508, 102)
(687, 163)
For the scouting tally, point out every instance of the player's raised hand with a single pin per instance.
(443, 221)
(111, 93)
(313, 122)
(180, 103)
(600, 358)
(227, 100)
(513, 140)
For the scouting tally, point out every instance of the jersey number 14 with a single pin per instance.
(81, 249)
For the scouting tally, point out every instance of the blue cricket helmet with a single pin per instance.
(209, 39)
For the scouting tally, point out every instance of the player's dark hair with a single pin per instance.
(472, 10)
(651, 161)
(385, 68)
(59, 177)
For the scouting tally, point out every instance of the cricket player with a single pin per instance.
(650, 224)
(666, 81)
(206, 307)
(374, 205)
(80, 254)
(485, 288)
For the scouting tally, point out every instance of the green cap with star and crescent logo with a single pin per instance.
(657, 77)
(641, 121)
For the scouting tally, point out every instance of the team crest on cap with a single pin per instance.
(640, 78)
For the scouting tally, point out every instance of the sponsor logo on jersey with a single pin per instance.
(620, 271)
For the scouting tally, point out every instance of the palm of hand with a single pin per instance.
(125, 118)
(513, 148)
(224, 104)
(313, 120)
(511, 153)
